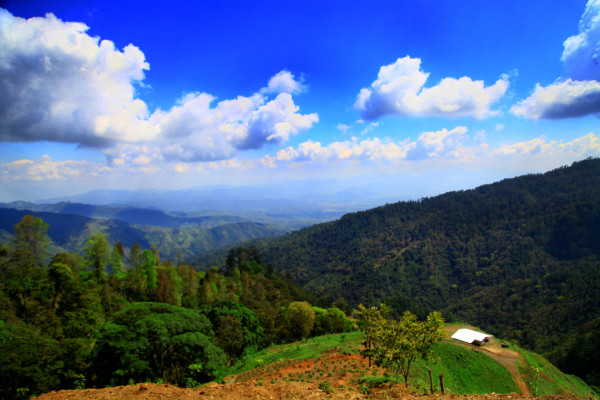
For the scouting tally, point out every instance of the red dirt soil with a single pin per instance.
(252, 390)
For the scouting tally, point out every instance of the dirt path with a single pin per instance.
(507, 358)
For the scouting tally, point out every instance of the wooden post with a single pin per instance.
(431, 381)
(442, 381)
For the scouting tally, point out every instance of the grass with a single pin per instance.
(543, 378)
(466, 371)
(309, 348)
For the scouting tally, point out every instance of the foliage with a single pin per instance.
(543, 378)
(396, 345)
(237, 328)
(299, 319)
(97, 254)
(69, 324)
(150, 341)
(520, 257)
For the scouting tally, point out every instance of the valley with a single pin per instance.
(111, 305)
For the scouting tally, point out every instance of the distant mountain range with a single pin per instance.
(71, 224)
(289, 206)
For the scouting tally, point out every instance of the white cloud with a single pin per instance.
(565, 99)
(343, 127)
(439, 148)
(284, 82)
(44, 169)
(585, 146)
(275, 122)
(579, 95)
(59, 84)
(399, 90)
(442, 144)
(581, 55)
(56, 81)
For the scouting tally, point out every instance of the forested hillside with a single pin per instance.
(520, 258)
(113, 317)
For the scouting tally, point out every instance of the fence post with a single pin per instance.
(430, 381)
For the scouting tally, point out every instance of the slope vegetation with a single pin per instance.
(520, 257)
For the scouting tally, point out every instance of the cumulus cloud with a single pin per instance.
(585, 146)
(560, 100)
(275, 122)
(399, 90)
(442, 144)
(441, 147)
(284, 82)
(581, 55)
(60, 84)
(579, 94)
(56, 81)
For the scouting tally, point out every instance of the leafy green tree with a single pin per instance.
(75, 303)
(116, 262)
(169, 284)
(229, 336)
(373, 322)
(150, 341)
(135, 255)
(300, 318)
(238, 329)
(190, 280)
(30, 240)
(97, 255)
(149, 267)
(29, 364)
(397, 344)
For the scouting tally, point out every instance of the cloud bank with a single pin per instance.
(438, 147)
(61, 85)
(399, 90)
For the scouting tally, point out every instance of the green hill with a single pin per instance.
(520, 258)
(466, 370)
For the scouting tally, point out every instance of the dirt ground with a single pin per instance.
(251, 390)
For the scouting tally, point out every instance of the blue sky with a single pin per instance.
(405, 98)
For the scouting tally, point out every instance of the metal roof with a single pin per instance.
(470, 336)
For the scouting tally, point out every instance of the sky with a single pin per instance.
(403, 98)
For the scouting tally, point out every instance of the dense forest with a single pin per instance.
(106, 317)
(520, 258)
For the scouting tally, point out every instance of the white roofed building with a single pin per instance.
(471, 336)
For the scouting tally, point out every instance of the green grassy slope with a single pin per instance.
(465, 371)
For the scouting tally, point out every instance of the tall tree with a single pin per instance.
(300, 318)
(149, 267)
(116, 261)
(135, 255)
(30, 240)
(97, 255)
